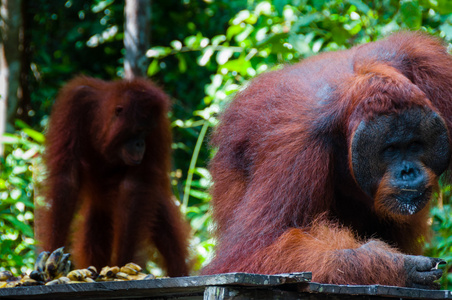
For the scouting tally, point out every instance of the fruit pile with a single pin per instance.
(54, 268)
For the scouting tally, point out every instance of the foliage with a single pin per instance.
(203, 53)
(16, 198)
(84, 39)
(441, 243)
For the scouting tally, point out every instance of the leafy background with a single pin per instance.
(202, 53)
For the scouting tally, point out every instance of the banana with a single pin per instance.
(76, 275)
(79, 275)
(104, 271)
(63, 266)
(111, 272)
(104, 278)
(60, 280)
(93, 272)
(139, 276)
(123, 276)
(67, 267)
(11, 284)
(128, 270)
(134, 266)
(53, 261)
(5, 275)
(38, 276)
(27, 281)
(54, 268)
(149, 276)
(41, 261)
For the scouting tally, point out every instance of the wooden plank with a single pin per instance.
(165, 287)
(220, 287)
(380, 290)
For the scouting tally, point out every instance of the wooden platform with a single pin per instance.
(222, 286)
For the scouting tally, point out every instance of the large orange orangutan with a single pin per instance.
(108, 158)
(329, 165)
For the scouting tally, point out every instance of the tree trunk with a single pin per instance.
(10, 50)
(136, 37)
(24, 105)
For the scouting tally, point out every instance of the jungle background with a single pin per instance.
(201, 53)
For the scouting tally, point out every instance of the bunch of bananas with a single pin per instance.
(48, 266)
(130, 271)
(54, 268)
(8, 280)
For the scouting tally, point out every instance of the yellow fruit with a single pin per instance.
(134, 266)
(112, 271)
(5, 275)
(121, 275)
(60, 280)
(41, 261)
(128, 270)
(53, 261)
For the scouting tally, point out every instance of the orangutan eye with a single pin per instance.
(118, 110)
(389, 149)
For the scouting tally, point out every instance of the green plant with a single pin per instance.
(22, 152)
(440, 244)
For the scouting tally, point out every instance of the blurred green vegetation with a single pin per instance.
(203, 52)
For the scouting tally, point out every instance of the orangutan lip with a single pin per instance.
(134, 161)
(409, 203)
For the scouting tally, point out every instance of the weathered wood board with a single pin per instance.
(217, 287)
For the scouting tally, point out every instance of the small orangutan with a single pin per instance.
(329, 165)
(108, 162)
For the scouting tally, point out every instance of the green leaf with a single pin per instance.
(182, 63)
(158, 51)
(101, 5)
(447, 29)
(305, 20)
(37, 136)
(202, 172)
(340, 35)
(233, 31)
(411, 14)
(190, 41)
(223, 56)
(444, 6)
(153, 67)
(361, 6)
(279, 5)
(263, 8)
(22, 227)
(245, 33)
(218, 39)
(239, 65)
(240, 17)
(299, 44)
(21, 124)
(205, 58)
(199, 194)
(318, 4)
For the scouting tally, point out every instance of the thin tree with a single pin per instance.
(10, 63)
(136, 37)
